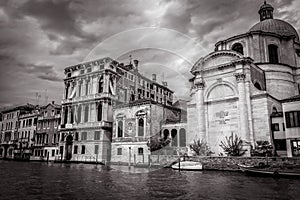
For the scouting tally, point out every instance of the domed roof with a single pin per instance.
(277, 26)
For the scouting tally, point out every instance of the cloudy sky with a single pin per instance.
(38, 39)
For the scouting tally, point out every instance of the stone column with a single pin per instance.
(145, 124)
(106, 82)
(199, 83)
(82, 113)
(243, 111)
(62, 115)
(69, 114)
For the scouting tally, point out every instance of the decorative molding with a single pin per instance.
(240, 77)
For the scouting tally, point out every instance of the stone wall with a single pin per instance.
(227, 163)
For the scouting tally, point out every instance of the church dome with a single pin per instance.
(277, 26)
(269, 25)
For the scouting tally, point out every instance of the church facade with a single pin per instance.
(236, 88)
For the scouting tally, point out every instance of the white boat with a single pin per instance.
(188, 165)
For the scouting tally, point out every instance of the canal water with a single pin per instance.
(34, 180)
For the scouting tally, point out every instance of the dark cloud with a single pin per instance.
(44, 72)
(38, 38)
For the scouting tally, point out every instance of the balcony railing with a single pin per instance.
(88, 97)
(130, 139)
(102, 124)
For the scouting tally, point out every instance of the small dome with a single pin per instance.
(266, 5)
(275, 26)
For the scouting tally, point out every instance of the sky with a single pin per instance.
(39, 38)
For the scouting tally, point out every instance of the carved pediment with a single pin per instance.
(217, 58)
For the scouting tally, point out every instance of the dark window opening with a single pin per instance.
(119, 151)
(275, 127)
(292, 119)
(82, 149)
(238, 48)
(120, 128)
(141, 127)
(140, 151)
(273, 54)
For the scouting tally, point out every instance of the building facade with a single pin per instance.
(27, 129)
(46, 139)
(134, 124)
(10, 129)
(236, 88)
(92, 89)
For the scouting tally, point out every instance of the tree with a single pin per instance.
(156, 143)
(201, 148)
(233, 146)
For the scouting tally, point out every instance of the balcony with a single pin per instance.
(130, 139)
(89, 97)
(101, 124)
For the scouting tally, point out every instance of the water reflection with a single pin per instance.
(82, 181)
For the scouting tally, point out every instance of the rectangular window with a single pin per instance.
(82, 149)
(283, 127)
(292, 119)
(97, 135)
(61, 150)
(96, 149)
(140, 151)
(295, 145)
(76, 136)
(119, 151)
(75, 149)
(275, 127)
(84, 136)
(53, 153)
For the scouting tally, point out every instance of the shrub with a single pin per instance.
(201, 148)
(233, 146)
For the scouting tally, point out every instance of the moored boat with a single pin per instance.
(188, 165)
(270, 171)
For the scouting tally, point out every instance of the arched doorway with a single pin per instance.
(174, 137)
(166, 134)
(69, 145)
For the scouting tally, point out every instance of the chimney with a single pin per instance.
(136, 62)
(53, 102)
(165, 83)
(154, 77)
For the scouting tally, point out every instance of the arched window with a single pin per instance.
(273, 53)
(182, 138)
(79, 114)
(166, 134)
(274, 110)
(101, 85)
(99, 112)
(257, 85)
(174, 137)
(141, 127)
(120, 128)
(86, 113)
(238, 48)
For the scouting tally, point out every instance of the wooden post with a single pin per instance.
(179, 164)
(129, 158)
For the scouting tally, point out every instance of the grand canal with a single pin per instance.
(22, 180)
